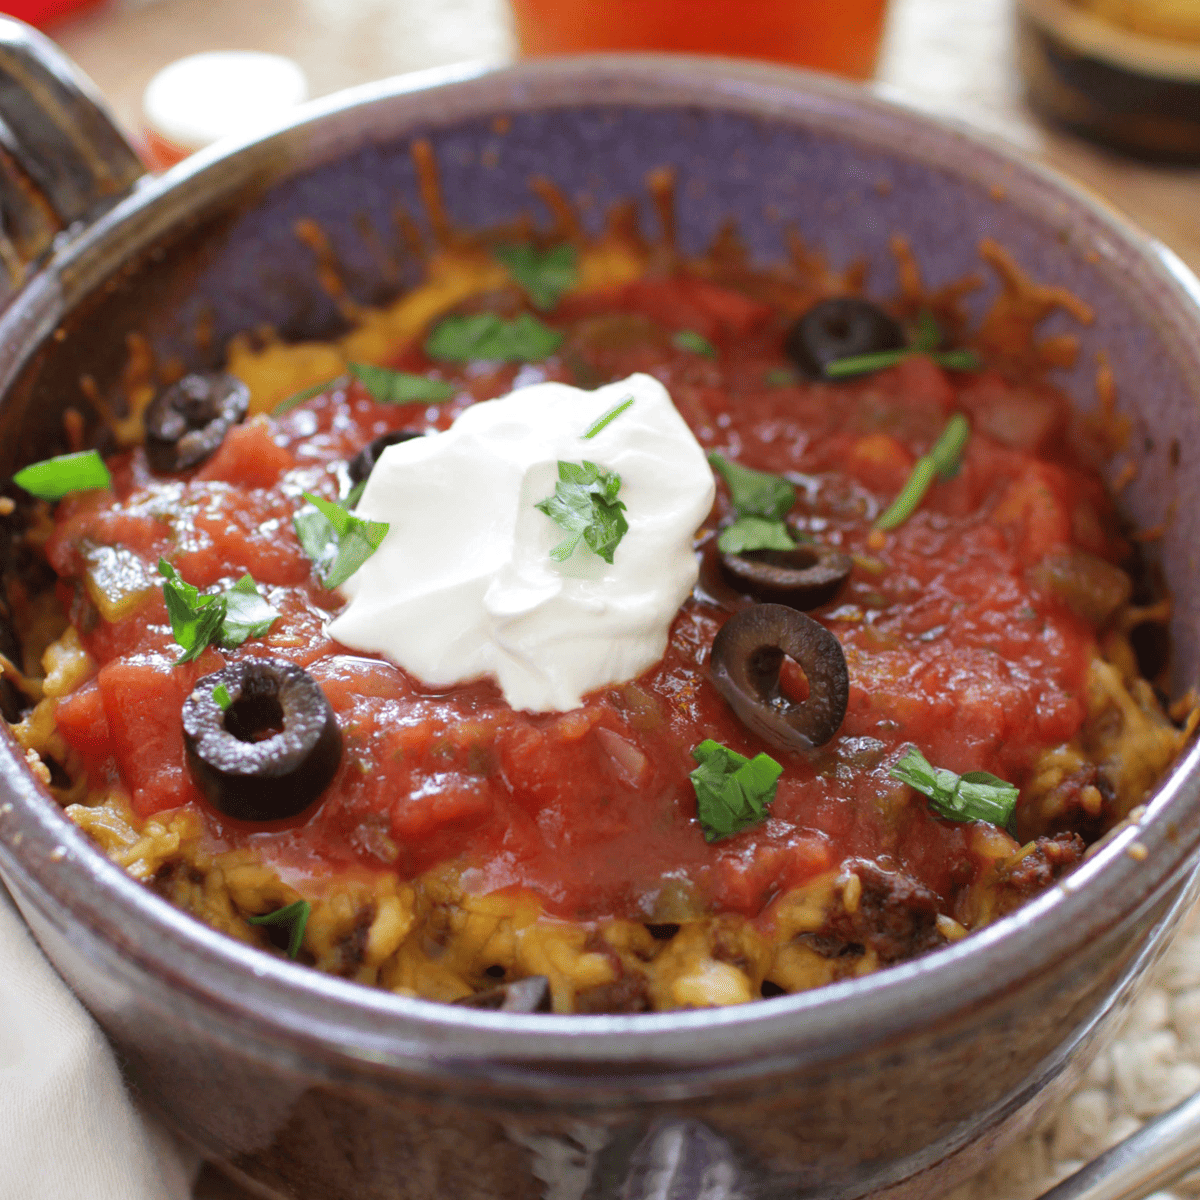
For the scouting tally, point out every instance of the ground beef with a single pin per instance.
(628, 994)
(352, 946)
(1065, 801)
(172, 873)
(726, 944)
(1050, 859)
(896, 917)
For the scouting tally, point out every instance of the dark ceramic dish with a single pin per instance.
(901, 1082)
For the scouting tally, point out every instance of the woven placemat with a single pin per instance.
(1153, 1064)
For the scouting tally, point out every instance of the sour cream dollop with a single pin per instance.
(463, 585)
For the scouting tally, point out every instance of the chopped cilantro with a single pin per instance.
(304, 394)
(693, 343)
(975, 796)
(354, 495)
(198, 620)
(612, 414)
(732, 791)
(221, 697)
(958, 360)
(247, 614)
(944, 459)
(53, 478)
(928, 336)
(754, 533)
(400, 387)
(585, 504)
(755, 493)
(761, 501)
(487, 336)
(335, 539)
(296, 915)
(543, 274)
(864, 364)
(925, 341)
(946, 452)
(385, 385)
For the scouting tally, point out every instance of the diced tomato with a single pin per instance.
(880, 462)
(711, 311)
(1022, 418)
(83, 722)
(749, 880)
(448, 800)
(249, 456)
(1037, 507)
(142, 702)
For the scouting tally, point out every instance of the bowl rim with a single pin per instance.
(54, 865)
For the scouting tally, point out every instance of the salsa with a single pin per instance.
(956, 638)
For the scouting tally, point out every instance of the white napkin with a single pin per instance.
(68, 1126)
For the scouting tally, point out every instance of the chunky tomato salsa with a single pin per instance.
(462, 843)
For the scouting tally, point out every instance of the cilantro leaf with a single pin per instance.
(247, 614)
(336, 540)
(544, 274)
(755, 493)
(303, 394)
(585, 504)
(754, 533)
(195, 618)
(761, 501)
(296, 915)
(975, 796)
(694, 343)
(53, 478)
(487, 336)
(400, 387)
(221, 697)
(199, 620)
(732, 791)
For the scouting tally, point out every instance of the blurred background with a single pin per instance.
(1051, 75)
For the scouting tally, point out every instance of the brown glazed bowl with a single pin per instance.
(897, 1084)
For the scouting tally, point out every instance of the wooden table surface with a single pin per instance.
(951, 56)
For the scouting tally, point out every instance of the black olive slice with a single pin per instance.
(273, 751)
(186, 423)
(712, 585)
(363, 463)
(805, 577)
(746, 656)
(839, 328)
(528, 995)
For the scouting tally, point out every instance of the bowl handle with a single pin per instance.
(62, 157)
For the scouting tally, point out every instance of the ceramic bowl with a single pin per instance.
(899, 1083)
